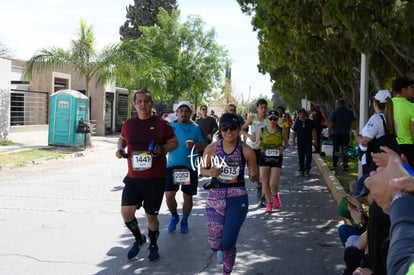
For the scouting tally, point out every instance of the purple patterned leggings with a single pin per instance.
(226, 211)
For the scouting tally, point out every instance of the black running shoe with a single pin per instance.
(133, 252)
(153, 253)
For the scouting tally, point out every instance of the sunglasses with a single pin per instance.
(203, 109)
(273, 118)
(231, 128)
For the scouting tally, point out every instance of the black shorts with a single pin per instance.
(271, 161)
(144, 192)
(190, 188)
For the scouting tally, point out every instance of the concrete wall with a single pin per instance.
(5, 73)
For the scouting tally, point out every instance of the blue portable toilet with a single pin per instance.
(69, 113)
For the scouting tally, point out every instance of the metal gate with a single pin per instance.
(28, 107)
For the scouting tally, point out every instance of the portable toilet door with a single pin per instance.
(66, 108)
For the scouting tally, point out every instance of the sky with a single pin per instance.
(27, 26)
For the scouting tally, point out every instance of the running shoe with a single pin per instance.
(262, 203)
(173, 223)
(259, 194)
(276, 201)
(153, 253)
(269, 208)
(219, 256)
(133, 252)
(184, 227)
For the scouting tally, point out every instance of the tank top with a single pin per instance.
(231, 165)
(256, 125)
(271, 140)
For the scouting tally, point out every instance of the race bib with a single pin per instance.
(229, 173)
(141, 160)
(181, 177)
(272, 152)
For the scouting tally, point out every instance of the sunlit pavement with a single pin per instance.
(62, 217)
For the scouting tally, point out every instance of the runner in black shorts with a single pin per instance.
(181, 166)
(147, 139)
(147, 193)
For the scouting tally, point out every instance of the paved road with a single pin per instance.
(62, 217)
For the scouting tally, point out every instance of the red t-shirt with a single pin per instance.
(138, 135)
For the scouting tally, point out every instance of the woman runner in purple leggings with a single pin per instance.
(227, 203)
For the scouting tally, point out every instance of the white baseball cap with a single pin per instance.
(382, 96)
(184, 103)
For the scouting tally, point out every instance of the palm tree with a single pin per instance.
(82, 57)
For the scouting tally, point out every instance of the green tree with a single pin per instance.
(135, 67)
(313, 47)
(192, 56)
(143, 13)
(82, 57)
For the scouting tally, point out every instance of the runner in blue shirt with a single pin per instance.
(181, 165)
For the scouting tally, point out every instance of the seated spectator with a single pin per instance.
(350, 208)
(374, 261)
(392, 188)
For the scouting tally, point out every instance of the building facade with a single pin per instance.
(29, 101)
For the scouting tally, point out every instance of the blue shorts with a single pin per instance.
(173, 184)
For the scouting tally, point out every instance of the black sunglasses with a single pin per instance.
(225, 128)
(273, 118)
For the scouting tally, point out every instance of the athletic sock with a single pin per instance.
(153, 236)
(133, 227)
(175, 214)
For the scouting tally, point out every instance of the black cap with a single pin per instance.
(229, 119)
(272, 113)
(340, 101)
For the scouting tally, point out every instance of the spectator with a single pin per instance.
(379, 130)
(378, 228)
(392, 188)
(341, 121)
(302, 129)
(317, 127)
(404, 116)
(350, 208)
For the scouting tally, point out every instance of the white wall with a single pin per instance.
(5, 79)
(5, 73)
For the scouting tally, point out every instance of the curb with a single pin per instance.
(333, 183)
